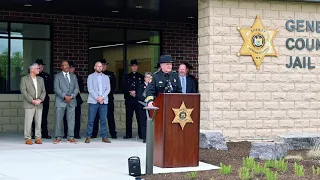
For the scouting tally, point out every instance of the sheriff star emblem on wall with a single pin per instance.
(258, 42)
(182, 115)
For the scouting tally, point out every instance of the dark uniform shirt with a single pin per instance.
(163, 83)
(81, 90)
(112, 78)
(130, 83)
(48, 82)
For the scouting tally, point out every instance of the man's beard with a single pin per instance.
(98, 71)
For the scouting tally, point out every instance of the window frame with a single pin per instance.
(125, 43)
(9, 38)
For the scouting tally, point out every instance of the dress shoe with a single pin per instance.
(29, 142)
(114, 137)
(77, 137)
(72, 140)
(38, 141)
(56, 141)
(144, 140)
(87, 140)
(106, 140)
(92, 137)
(127, 137)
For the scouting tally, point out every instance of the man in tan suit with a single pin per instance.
(33, 90)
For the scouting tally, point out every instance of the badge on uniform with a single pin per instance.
(174, 80)
(160, 82)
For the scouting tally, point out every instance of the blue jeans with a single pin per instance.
(92, 111)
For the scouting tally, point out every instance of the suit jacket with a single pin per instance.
(195, 81)
(28, 91)
(191, 85)
(62, 89)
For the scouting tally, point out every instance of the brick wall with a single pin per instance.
(241, 101)
(70, 36)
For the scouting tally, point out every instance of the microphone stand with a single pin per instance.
(150, 139)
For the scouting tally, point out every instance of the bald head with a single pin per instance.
(98, 67)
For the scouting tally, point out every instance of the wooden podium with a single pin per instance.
(174, 147)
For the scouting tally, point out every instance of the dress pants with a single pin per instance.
(44, 119)
(111, 122)
(29, 114)
(143, 121)
(70, 113)
(77, 123)
(132, 105)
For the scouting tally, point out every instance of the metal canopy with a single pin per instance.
(163, 10)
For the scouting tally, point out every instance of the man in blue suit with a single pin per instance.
(187, 83)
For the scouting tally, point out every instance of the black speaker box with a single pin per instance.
(134, 166)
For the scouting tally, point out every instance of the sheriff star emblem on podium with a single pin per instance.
(258, 42)
(182, 115)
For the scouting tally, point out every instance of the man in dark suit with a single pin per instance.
(141, 96)
(189, 67)
(187, 83)
(77, 123)
(110, 114)
(129, 87)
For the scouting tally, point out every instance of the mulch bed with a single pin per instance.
(237, 150)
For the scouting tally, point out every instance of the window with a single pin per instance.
(119, 46)
(19, 48)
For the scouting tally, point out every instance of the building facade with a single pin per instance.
(244, 102)
(26, 36)
(240, 97)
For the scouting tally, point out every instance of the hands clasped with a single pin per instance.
(36, 102)
(132, 93)
(100, 99)
(67, 99)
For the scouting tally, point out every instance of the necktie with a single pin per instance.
(66, 76)
(183, 85)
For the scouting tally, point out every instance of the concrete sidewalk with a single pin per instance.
(65, 161)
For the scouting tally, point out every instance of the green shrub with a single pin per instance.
(244, 173)
(248, 162)
(226, 170)
(271, 175)
(316, 171)
(191, 175)
(280, 165)
(258, 169)
(298, 169)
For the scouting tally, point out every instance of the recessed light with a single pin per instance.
(115, 11)
(139, 7)
(27, 5)
(190, 17)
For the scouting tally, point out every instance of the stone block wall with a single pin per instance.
(12, 114)
(241, 101)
